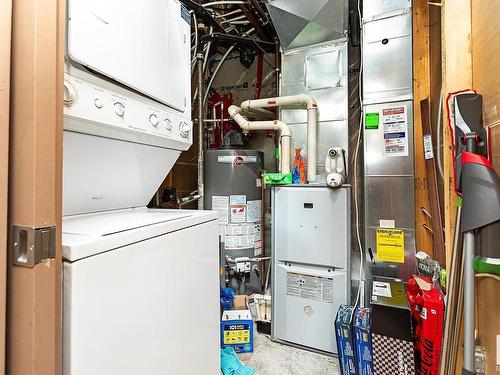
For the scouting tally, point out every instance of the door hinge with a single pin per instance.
(31, 246)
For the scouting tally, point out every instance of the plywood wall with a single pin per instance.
(485, 46)
(485, 65)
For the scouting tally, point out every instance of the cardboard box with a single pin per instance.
(391, 328)
(236, 330)
(240, 302)
(345, 340)
(362, 324)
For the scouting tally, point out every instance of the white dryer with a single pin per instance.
(140, 286)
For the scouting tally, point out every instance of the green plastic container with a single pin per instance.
(487, 265)
(277, 178)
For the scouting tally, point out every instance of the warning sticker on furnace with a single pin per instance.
(310, 287)
(395, 131)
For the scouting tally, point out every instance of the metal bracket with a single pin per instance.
(480, 357)
(31, 246)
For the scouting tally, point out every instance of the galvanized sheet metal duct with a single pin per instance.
(303, 23)
(387, 89)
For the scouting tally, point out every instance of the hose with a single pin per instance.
(438, 135)
(355, 179)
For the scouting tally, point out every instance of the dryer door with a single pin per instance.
(144, 45)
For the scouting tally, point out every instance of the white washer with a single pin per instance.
(140, 293)
(140, 286)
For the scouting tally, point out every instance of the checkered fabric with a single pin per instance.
(392, 356)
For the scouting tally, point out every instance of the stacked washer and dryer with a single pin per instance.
(140, 285)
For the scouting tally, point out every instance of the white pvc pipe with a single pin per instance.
(259, 113)
(280, 126)
(312, 122)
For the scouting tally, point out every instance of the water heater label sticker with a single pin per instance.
(243, 236)
(238, 242)
(238, 213)
(237, 199)
(395, 124)
(310, 287)
(240, 229)
(221, 205)
(238, 160)
(390, 245)
(254, 211)
(257, 238)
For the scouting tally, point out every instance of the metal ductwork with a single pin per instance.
(301, 23)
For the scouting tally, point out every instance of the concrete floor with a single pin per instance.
(271, 358)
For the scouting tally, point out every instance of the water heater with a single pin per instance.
(233, 189)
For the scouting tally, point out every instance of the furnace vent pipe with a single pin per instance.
(312, 122)
(280, 126)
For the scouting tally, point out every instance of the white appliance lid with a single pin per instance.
(116, 222)
(91, 234)
(142, 44)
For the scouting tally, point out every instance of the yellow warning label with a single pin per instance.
(390, 245)
(237, 337)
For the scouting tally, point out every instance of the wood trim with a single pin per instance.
(5, 48)
(421, 90)
(34, 295)
(457, 75)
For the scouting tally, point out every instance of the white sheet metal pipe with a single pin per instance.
(312, 122)
(280, 126)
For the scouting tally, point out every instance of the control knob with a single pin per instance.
(184, 129)
(69, 93)
(168, 124)
(119, 109)
(153, 120)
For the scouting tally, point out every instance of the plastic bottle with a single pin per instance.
(298, 167)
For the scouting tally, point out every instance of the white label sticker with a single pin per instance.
(237, 160)
(254, 211)
(310, 287)
(387, 223)
(238, 213)
(221, 205)
(429, 153)
(257, 238)
(381, 289)
(239, 229)
(239, 242)
(395, 131)
(237, 199)
(498, 350)
(423, 313)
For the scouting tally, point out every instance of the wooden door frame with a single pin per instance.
(5, 44)
(35, 183)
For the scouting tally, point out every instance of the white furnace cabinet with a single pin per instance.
(141, 293)
(311, 262)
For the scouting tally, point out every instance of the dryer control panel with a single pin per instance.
(91, 109)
